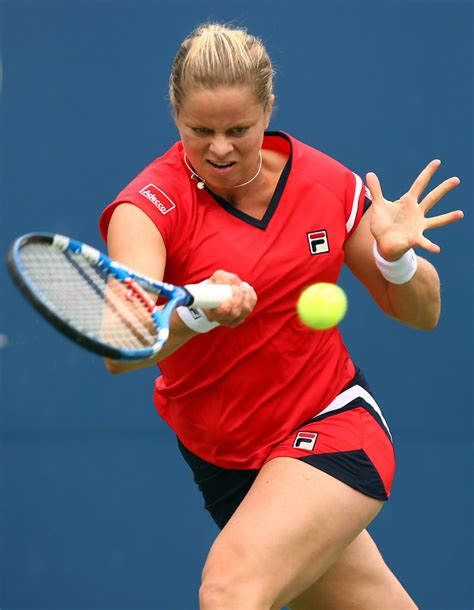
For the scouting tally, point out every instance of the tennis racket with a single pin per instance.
(99, 303)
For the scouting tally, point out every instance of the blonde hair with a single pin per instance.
(216, 55)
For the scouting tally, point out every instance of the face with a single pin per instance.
(222, 133)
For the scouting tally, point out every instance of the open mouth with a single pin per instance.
(221, 165)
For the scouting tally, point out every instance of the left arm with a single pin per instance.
(396, 227)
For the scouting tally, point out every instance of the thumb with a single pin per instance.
(373, 184)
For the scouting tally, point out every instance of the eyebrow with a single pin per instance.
(244, 124)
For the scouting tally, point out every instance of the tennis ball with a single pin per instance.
(322, 306)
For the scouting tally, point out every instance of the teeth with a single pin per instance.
(220, 164)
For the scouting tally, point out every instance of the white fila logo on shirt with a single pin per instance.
(318, 241)
(158, 198)
(305, 440)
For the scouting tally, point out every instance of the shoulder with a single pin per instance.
(162, 190)
(164, 171)
(317, 165)
(311, 165)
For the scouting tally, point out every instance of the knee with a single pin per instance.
(230, 591)
(214, 594)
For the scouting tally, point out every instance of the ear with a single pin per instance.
(269, 110)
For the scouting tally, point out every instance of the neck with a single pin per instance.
(260, 161)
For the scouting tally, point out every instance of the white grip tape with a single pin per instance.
(209, 295)
(397, 272)
(205, 295)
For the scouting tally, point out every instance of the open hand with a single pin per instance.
(399, 225)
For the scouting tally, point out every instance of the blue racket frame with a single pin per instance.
(161, 316)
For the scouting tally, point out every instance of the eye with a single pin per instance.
(201, 131)
(239, 131)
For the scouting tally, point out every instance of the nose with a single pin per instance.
(220, 146)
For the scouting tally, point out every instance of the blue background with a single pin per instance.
(97, 510)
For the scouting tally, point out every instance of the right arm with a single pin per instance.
(134, 240)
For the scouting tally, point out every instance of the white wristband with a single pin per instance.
(399, 271)
(195, 319)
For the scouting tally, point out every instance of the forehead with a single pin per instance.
(222, 105)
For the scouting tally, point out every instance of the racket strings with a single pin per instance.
(88, 298)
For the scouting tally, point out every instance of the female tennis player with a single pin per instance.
(285, 439)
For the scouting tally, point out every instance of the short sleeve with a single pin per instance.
(357, 201)
(157, 191)
(158, 204)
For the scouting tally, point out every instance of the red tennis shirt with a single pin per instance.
(231, 395)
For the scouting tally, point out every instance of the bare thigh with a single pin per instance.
(358, 580)
(292, 525)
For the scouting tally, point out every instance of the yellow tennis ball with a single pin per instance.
(322, 306)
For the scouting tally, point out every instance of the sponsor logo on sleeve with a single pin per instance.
(318, 241)
(158, 198)
(305, 440)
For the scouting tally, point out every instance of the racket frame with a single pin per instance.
(175, 295)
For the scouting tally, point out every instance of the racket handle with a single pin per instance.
(209, 295)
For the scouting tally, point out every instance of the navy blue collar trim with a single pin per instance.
(263, 223)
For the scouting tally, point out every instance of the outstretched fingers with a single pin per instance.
(424, 178)
(443, 219)
(373, 184)
(438, 193)
(427, 244)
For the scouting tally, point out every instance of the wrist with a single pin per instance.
(195, 319)
(399, 271)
